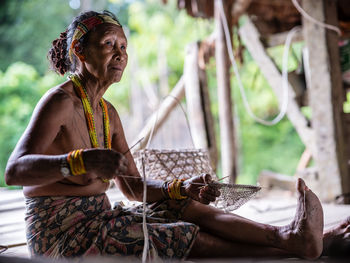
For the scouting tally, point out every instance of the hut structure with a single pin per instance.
(324, 27)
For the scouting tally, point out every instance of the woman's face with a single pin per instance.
(105, 54)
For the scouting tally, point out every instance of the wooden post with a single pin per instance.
(193, 100)
(338, 97)
(326, 98)
(227, 138)
(198, 104)
(162, 69)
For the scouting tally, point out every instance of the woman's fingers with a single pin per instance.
(123, 166)
(211, 190)
(105, 163)
(206, 178)
(207, 195)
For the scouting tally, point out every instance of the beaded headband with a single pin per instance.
(86, 25)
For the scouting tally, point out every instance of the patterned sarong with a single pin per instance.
(84, 226)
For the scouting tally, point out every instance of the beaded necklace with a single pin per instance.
(89, 115)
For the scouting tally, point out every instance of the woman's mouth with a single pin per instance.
(116, 68)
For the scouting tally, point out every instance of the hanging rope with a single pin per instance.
(284, 103)
(144, 223)
(310, 18)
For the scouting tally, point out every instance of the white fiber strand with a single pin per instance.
(310, 18)
(284, 103)
(144, 224)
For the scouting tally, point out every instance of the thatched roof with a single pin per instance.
(270, 16)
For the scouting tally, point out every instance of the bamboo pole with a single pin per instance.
(228, 149)
(198, 104)
(326, 98)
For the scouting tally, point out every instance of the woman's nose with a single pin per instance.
(117, 53)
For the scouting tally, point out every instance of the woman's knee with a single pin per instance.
(196, 212)
(200, 246)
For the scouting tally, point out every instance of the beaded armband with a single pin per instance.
(76, 163)
(174, 190)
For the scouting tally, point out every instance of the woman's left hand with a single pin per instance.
(198, 189)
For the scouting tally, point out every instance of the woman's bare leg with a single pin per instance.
(210, 246)
(336, 237)
(303, 237)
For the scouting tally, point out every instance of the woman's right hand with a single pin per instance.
(104, 164)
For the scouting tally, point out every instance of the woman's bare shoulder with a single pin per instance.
(113, 113)
(58, 99)
(110, 107)
(50, 114)
(54, 108)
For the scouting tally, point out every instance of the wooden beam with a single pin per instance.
(227, 138)
(280, 38)
(324, 84)
(208, 118)
(198, 104)
(193, 97)
(269, 179)
(304, 160)
(338, 97)
(160, 116)
(251, 38)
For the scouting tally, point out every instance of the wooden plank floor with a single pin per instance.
(275, 207)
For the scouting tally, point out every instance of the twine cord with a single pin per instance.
(310, 18)
(284, 103)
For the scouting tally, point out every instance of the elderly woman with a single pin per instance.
(74, 144)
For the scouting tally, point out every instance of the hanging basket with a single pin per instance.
(173, 164)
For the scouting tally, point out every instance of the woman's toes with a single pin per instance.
(300, 185)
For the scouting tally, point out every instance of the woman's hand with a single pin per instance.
(104, 163)
(198, 189)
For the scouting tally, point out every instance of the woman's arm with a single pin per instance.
(28, 164)
(131, 183)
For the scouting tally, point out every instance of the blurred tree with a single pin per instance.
(153, 26)
(27, 28)
(20, 89)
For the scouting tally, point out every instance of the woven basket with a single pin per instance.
(173, 164)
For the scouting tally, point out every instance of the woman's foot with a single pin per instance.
(336, 241)
(304, 235)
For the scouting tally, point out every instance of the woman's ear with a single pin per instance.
(78, 51)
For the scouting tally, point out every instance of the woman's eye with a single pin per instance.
(109, 43)
(123, 47)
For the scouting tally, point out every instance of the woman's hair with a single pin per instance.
(58, 54)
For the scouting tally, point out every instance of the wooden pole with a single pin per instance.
(338, 98)
(228, 148)
(325, 90)
(193, 97)
(198, 104)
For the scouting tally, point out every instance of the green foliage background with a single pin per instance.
(27, 32)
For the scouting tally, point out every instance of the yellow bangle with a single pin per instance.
(174, 190)
(76, 162)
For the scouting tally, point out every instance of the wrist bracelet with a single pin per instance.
(164, 189)
(64, 167)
